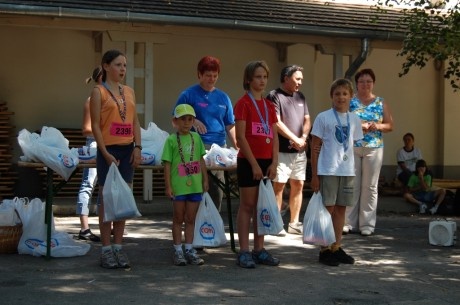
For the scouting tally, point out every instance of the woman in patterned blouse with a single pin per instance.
(376, 119)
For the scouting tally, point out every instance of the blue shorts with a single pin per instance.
(189, 197)
(123, 154)
(425, 196)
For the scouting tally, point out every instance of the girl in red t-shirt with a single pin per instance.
(257, 139)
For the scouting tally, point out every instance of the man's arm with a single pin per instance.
(298, 143)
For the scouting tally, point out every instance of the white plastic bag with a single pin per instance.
(218, 156)
(209, 226)
(269, 221)
(62, 245)
(119, 202)
(62, 161)
(232, 154)
(34, 229)
(8, 215)
(147, 157)
(51, 148)
(52, 137)
(152, 139)
(317, 223)
(27, 142)
(87, 154)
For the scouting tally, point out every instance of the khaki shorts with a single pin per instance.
(291, 166)
(337, 190)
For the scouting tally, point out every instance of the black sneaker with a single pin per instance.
(88, 235)
(343, 257)
(326, 257)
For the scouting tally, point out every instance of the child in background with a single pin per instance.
(257, 139)
(333, 135)
(407, 156)
(420, 190)
(185, 179)
(89, 174)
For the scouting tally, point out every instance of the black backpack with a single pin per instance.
(451, 204)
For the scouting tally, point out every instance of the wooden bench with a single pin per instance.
(397, 190)
(71, 188)
(450, 184)
(8, 175)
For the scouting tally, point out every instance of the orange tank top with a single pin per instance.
(116, 131)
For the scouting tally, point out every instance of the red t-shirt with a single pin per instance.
(255, 133)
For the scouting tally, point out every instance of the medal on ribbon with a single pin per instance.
(182, 158)
(344, 136)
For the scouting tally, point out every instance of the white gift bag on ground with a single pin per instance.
(119, 202)
(209, 226)
(8, 215)
(62, 245)
(317, 223)
(32, 215)
(269, 221)
(34, 230)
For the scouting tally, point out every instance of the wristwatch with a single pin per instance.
(138, 146)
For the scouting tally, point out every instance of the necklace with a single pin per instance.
(121, 91)
(264, 122)
(344, 135)
(182, 158)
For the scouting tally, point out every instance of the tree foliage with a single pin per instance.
(432, 33)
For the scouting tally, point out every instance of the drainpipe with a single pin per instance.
(359, 60)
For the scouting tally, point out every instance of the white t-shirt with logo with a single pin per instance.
(333, 160)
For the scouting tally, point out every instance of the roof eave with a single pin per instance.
(127, 16)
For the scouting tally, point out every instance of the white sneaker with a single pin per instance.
(433, 210)
(193, 258)
(346, 229)
(366, 232)
(423, 208)
(295, 228)
(282, 233)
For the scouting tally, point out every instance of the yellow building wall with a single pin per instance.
(450, 127)
(43, 73)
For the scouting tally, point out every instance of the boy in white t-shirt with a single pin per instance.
(333, 168)
(407, 156)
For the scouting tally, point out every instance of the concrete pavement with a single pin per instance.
(396, 265)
